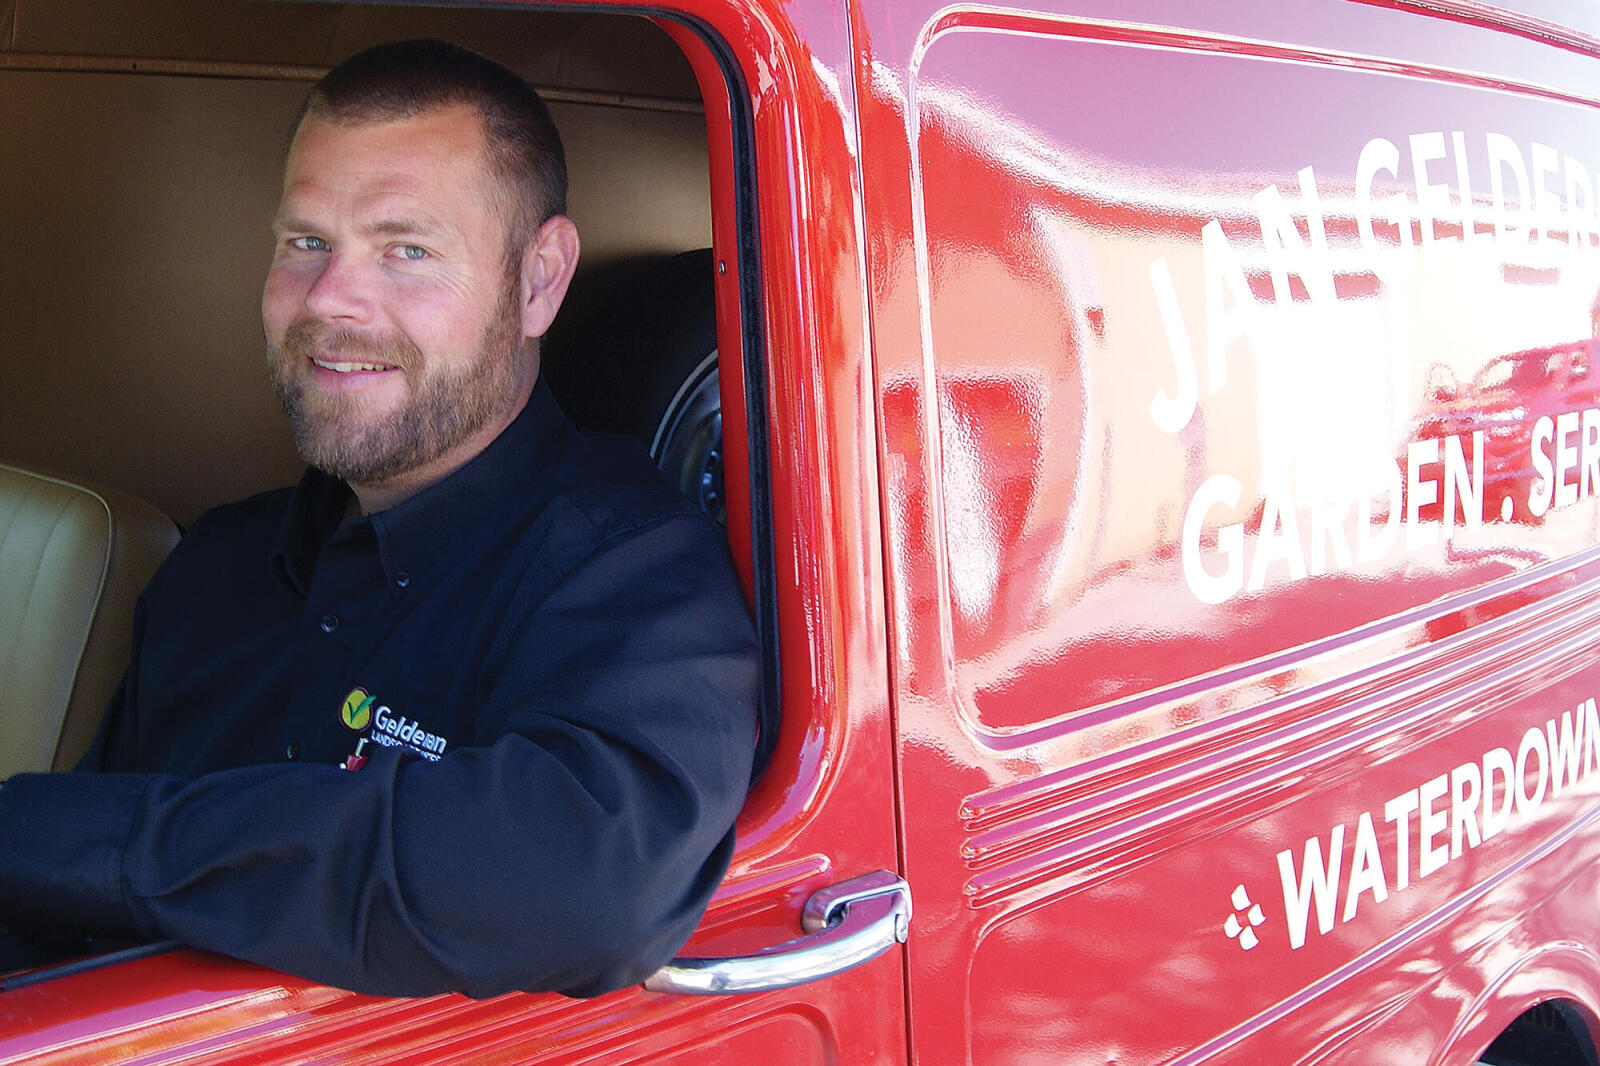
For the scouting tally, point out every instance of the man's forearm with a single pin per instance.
(408, 878)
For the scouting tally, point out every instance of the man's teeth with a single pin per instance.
(349, 368)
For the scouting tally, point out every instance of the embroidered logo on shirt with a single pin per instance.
(396, 730)
(356, 714)
(387, 728)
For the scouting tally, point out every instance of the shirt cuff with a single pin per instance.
(62, 841)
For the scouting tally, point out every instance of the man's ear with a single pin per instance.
(547, 266)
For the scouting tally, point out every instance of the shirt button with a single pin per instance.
(330, 622)
(402, 579)
(291, 750)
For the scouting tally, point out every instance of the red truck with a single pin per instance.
(1105, 403)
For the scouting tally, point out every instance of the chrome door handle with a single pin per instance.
(846, 925)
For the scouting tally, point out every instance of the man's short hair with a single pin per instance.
(406, 78)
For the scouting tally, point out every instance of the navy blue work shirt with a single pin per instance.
(557, 678)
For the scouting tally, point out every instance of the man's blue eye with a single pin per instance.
(411, 251)
(309, 244)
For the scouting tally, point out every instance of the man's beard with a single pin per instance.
(446, 405)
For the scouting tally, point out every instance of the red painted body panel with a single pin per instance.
(1117, 609)
(823, 812)
(1098, 756)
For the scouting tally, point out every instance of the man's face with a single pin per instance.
(391, 317)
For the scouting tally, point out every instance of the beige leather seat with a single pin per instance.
(72, 562)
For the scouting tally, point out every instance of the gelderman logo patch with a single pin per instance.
(387, 728)
(356, 714)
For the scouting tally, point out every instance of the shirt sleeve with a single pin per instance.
(573, 848)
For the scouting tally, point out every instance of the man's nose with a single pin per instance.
(341, 290)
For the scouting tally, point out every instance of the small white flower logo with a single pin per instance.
(1237, 930)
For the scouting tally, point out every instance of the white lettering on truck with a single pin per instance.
(1541, 202)
(1435, 823)
(1437, 472)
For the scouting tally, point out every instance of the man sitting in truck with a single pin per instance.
(531, 652)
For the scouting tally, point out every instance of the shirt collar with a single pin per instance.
(316, 507)
(419, 533)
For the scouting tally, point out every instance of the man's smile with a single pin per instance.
(351, 368)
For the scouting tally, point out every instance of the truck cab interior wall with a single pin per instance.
(145, 145)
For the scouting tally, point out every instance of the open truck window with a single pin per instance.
(149, 140)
